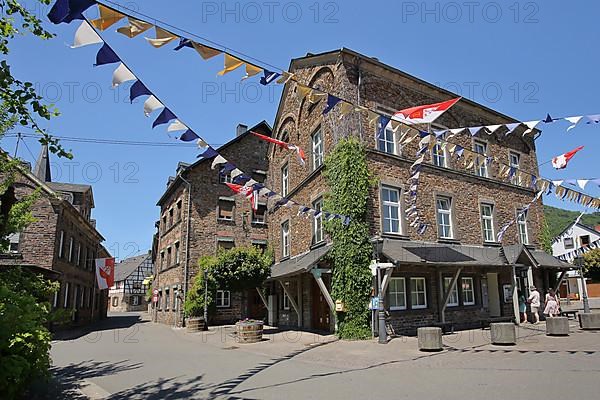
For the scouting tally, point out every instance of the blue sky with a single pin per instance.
(524, 59)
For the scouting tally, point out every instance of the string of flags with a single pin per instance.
(242, 183)
(520, 213)
(571, 255)
(284, 145)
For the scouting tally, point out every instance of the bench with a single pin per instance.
(567, 313)
(485, 323)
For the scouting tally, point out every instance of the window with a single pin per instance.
(115, 301)
(285, 239)
(514, 160)
(135, 300)
(168, 256)
(78, 257)
(318, 221)
(453, 299)
(223, 298)
(286, 301)
(522, 224)
(386, 141)
(444, 217)
(438, 155)
(176, 252)
(390, 203)
(85, 258)
(55, 299)
(418, 293)
(225, 209)
(160, 299)
(568, 242)
(225, 244)
(61, 243)
(584, 240)
(317, 149)
(13, 246)
(82, 299)
(162, 259)
(89, 302)
(164, 222)
(396, 294)
(468, 293)
(178, 214)
(225, 178)
(71, 240)
(285, 183)
(261, 244)
(66, 298)
(481, 168)
(259, 215)
(167, 299)
(170, 217)
(487, 222)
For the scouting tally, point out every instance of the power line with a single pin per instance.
(111, 141)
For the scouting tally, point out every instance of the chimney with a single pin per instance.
(241, 128)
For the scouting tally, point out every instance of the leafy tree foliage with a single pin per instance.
(591, 264)
(349, 179)
(545, 236)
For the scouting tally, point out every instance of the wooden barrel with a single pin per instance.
(249, 331)
(194, 324)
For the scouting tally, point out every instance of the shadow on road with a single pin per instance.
(164, 388)
(112, 322)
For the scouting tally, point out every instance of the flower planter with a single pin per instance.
(249, 331)
(195, 324)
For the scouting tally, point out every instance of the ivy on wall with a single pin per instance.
(349, 181)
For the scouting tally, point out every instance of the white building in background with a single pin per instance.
(129, 291)
(575, 238)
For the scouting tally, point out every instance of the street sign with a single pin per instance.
(374, 303)
(155, 299)
(155, 292)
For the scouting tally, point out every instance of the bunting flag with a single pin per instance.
(68, 10)
(151, 104)
(85, 35)
(189, 136)
(108, 17)
(165, 116)
(268, 77)
(219, 159)
(176, 126)
(105, 272)
(569, 256)
(331, 103)
(503, 230)
(249, 192)
(122, 74)
(138, 89)
(205, 52)
(425, 114)
(574, 121)
(106, 55)
(284, 145)
(231, 63)
(561, 161)
(162, 37)
(251, 70)
(134, 28)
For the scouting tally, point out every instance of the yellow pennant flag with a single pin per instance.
(134, 28)
(108, 17)
(345, 108)
(205, 51)
(252, 70)
(285, 77)
(302, 91)
(315, 97)
(395, 125)
(373, 117)
(162, 37)
(231, 64)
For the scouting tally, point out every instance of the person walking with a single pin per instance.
(552, 304)
(534, 301)
(522, 306)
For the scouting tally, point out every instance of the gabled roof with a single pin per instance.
(580, 225)
(128, 266)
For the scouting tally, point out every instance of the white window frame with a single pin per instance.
(286, 302)
(522, 226)
(383, 141)
(440, 213)
(225, 201)
(481, 149)
(396, 294)
(285, 239)
(515, 179)
(225, 178)
(389, 205)
(414, 293)
(167, 299)
(262, 219)
(177, 260)
(471, 290)
(453, 299)
(71, 242)
(571, 245)
(487, 222)
(61, 251)
(317, 222)
(66, 299)
(115, 301)
(78, 257)
(285, 180)
(55, 298)
(438, 155)
(135, 300)
(224, 297)
(318, 149)
(82, 299)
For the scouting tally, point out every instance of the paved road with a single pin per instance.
(128, 357)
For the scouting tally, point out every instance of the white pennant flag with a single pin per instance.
(582, 182)
(177, 125)
(574, 121)
(151, 104)
(235, 172)
(530, 126)
(122, 74)
(218, 160)
(557, 183)
(493, 128)
(201, 143)
(456, 130)
(85, 35)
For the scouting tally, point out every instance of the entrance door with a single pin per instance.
(493, 295)
(320, 308)
(256, 307)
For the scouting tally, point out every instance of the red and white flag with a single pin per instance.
(105, 272)
(560, 162)
(285, 145)
(424, 114)
(247, 191)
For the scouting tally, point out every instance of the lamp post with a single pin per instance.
(377, 249)
(584, 297)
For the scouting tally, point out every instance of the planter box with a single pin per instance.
(557, 326)
(249, 331)
(589, 321)
(195, 324)
(503, 333)
(430, 338)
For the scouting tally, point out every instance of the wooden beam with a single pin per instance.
(386, 280)
(317, 275)
(561, 278)
(447, 294)
(262, 297)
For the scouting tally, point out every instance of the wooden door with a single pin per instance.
(256, 307)
(320, 308)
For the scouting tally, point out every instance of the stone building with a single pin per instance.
(198, 215)
(455, 272)
(62, 242)
(129, 290)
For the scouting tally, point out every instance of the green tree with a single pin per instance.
(591, 264)
(545, 236)
(348, 176)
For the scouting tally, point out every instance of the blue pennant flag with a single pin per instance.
(227, 168)
(268, 77)
(258, 186)
(188, 136)
(241, 179)
(209, 153)
(593, 119)
(183, 42)
(422, 150)
(271, 193)
(422, 229)
(68, 10)
(548, 119)
(533, 182)
(440, 132)
(474, 130)
(381, 125)
(165, 116)
(550, 187)
(511, 127)
(282, 202)
(459, 151)
(512, 172)
(423, 134)
(331, 102)
(138, 89)
(106, 55)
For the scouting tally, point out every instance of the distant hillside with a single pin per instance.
(558, 219)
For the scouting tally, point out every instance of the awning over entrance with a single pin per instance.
(299, 264)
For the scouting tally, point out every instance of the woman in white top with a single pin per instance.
(534, 301)
(552, 304)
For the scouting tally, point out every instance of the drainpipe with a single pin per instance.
(187, 242)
